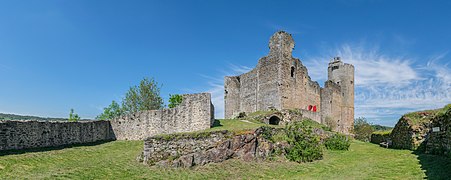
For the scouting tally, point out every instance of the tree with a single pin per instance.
(175, 100)
(112, 111)
(146, 96)
(362, 129)
(73, 117)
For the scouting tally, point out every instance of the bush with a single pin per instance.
(338, 142)
(362, 129)
(304, 144)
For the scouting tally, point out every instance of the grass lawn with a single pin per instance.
(117, 160)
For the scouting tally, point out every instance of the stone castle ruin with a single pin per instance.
(281, 81)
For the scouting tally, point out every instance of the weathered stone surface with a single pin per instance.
(213, 148)
(195, 113)
(16, 135)
(440, 142)
(282, 82)
(409, 134)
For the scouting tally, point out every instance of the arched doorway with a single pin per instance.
(274, 120)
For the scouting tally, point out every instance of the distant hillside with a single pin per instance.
(19, 117)
(377, 127)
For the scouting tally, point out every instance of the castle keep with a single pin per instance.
(281, 81)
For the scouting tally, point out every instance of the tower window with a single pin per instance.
(352, 82)
(334, 67)
(292, 71)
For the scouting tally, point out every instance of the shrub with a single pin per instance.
(304, 144)
(338, 142)
(362, 129)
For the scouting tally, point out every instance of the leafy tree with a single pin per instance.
(146, 96)
(362, 129)
(175, 100)
(112, 111)
(73, 117)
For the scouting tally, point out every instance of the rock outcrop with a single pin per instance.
(208, 147)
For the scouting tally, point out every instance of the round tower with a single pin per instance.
(343, 75)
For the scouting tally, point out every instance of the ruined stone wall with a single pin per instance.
(248, 92)
(343, 75)
(298, 90)
(316, 116)
(331, 103)
(193, 114)
(232, 88)
(16, 135)
(439, 142)
(268, 86)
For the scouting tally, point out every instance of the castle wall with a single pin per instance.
(193, 114)
(316, 116)
(232, 87)
(298, 91)
(248, 92)
(343, 75)
(331, 104)
(268, 85)
(16, 135)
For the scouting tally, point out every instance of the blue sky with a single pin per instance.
(57, 55)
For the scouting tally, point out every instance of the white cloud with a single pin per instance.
(371, 66)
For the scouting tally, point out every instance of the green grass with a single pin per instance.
(117, 160)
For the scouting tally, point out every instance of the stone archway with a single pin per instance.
(274, 120)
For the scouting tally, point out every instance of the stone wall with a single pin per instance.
(439, 142)
(409, 133)
(379, 137)
(193, 114)
(16, 135)
(315, 116)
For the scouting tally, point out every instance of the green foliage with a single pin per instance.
(362, 129)
(304, 144)
(112, 111)
(146, 96)
(175, 100)
(338, 142)
(73, 117)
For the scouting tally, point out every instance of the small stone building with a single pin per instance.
(281, 81)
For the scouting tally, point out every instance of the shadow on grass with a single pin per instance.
(44, 149)
(435, 166)
(217, 123)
